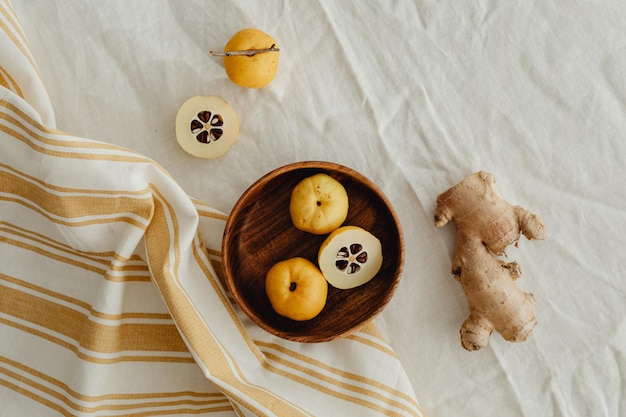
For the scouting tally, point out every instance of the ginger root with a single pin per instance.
(486, 225)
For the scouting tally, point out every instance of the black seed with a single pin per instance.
(205, 116)
(362, 257)
(353, 268)
(341, 264)
(195, 125)
(343, 253)
(355, 248)
(203, 137)
(216, 134)
(217, 120)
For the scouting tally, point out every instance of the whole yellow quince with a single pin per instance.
(253, 69)
(296, 289)
(318, 204)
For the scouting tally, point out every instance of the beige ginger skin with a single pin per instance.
(486, 225)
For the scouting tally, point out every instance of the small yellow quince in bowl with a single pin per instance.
(318, 204)
(296, 289)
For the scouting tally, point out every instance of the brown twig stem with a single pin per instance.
(248, 52)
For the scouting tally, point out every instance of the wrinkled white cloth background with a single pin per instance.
(415, 95)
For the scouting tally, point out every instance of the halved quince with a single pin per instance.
(349, 257)
(206, 126)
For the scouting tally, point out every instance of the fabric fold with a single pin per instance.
(18, 70)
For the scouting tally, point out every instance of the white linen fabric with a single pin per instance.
(413, 94)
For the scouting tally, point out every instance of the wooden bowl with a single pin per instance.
(259, 233)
